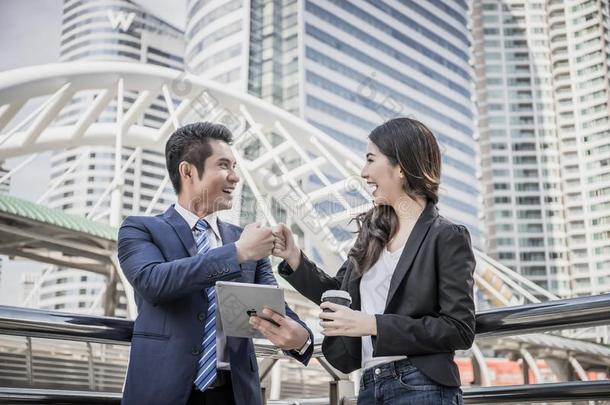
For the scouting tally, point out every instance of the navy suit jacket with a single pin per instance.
(159, 258)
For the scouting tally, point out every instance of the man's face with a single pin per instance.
(216, 186)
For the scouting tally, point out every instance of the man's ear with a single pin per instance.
(185, 169)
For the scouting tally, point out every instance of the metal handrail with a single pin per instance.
(46, 324)
(556, 392)
(48, 396)
(534, 393)
(545, 316)
(62, 325)
(551, 315)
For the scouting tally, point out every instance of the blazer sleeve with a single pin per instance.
(453, 328)
(264, 275)
(157, 280)
(310, 280)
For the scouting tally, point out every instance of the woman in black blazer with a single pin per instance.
(409, 273)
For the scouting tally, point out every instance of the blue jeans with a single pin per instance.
(400, 383)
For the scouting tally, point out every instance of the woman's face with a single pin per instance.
(384, 179)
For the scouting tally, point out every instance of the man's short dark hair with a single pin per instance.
(191, 143)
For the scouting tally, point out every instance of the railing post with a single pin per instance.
(341, 386)
(110, 295)
(275, 386)
(265, 367)
(90, 368)
(28, 358)
(339, 390)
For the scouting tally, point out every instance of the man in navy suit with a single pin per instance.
(179, 354)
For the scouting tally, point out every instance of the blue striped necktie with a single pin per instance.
(206, 368)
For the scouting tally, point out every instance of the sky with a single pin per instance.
(23, 42)
(30, 35)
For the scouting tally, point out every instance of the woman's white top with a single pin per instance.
(374, 287)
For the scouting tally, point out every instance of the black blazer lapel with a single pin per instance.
(419, 232)
(182, 229)
(353, 288)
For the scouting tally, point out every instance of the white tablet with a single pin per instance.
(237, 301)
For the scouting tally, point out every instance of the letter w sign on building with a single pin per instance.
(121, 19)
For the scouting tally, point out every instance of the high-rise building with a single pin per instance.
(543, 104)
(523, 205)
(346, 67)
(216, 40)
(108, 30)
(580, 40)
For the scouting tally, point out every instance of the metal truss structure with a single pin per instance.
(293, 172)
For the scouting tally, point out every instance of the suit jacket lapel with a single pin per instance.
(182, 230)
(226, 234)
(419, 232)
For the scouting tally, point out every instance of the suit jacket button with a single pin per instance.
(195, 351)
(201, 316)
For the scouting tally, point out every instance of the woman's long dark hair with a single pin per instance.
(410, 144)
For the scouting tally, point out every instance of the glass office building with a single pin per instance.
(346, 67)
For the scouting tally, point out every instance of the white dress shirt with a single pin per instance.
(374, 288)
(222, 356)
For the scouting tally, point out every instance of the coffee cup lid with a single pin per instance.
(337, 293)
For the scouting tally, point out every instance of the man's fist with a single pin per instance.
(255, 243)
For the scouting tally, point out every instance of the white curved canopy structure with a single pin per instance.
(288, 164)
(296, 173)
